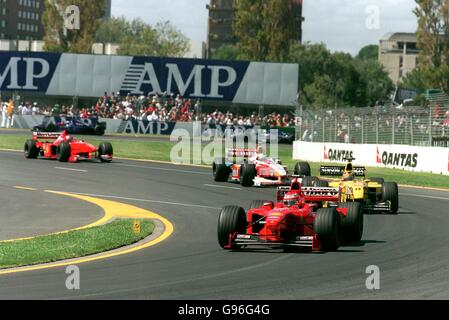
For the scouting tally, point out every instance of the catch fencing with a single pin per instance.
(415, 126)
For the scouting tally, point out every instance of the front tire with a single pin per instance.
(352, 224)
(220, 171)
(31, 150)
(64, 152)
(248, 173)
(232, 220)
(105, 149)
(303, 169)
(390, 192)
(327, 227)
(310, 181)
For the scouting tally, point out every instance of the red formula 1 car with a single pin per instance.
(300, 220)
(62, 147)
(250, 167)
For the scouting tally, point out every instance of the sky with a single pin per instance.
(343, 25)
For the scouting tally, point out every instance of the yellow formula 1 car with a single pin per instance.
(375, 194)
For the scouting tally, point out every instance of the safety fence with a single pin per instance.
(416, 126)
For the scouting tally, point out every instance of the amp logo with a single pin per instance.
(31, 72)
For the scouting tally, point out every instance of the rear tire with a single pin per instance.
(322, 184)
(390, 192)
(310, 181)
(327, 227)
(99, 130)
(64, 152)
(248, 173)
(31, 150)
(220, 171)
(105, 149)
(352, 224)
(232, 220)
(303, 169)
(377, 180)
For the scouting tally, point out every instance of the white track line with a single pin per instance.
(222, 187)
(160, 169)
(422, 196)
(70, 169)
(146, 200)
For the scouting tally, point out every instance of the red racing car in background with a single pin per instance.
(64, 148)
(300, 220)
(250, 167)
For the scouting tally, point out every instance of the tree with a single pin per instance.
(74, 41)
(112, 30)
(141, 39)
(227, 52)
(337, 79)
(264, 29)
(433, 42)
(369, 52)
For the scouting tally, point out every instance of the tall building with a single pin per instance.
(398, 53)
(21, 19)
(108, 9)
(221, 20)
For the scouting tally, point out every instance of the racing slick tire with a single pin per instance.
(63, 152)
(322, 184)
(327, 228)
(390, 192)
(99, 130)
(232, 219)
(256, 204)
(352, 224)
(303, 169)
(220, 171)
(377, 180)
(248, 173)
(310, 181)
(31, 150)
(105, 148)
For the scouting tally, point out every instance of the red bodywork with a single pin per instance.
(278, 225)
(80, 150)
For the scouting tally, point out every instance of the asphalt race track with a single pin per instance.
(411, 249)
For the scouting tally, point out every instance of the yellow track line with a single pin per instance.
(112, 209)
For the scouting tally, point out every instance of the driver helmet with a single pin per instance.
(291, 199)
(348, 176)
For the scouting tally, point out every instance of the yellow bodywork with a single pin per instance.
(357, 190)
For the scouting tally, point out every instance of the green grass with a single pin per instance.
(160, 151)
(74, 244)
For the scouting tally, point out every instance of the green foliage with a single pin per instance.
(141, 39)
(75, 41)
(337, 79)
(227, 52)
(369, 52)
(264, 29)
(433, 41)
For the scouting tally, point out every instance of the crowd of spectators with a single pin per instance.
(162, 108)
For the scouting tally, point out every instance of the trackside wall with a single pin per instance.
(410, 158)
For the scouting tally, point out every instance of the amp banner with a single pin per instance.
(93, 75)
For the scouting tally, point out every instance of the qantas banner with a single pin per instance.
(93, 75)
(417, 159)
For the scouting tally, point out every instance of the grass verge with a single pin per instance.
(160, 151)
(74, 244)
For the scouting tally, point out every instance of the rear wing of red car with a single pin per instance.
(313, 194)
(337, 171)
(46, 135)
